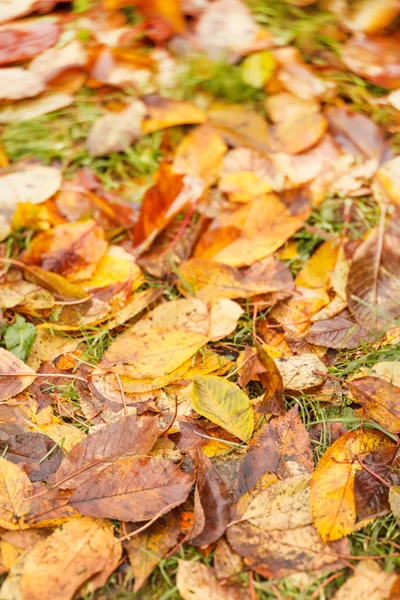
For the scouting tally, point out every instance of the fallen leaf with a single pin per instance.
(15, 488)
(164, 112)
(200, 154)
(11, 385)
(317, 270)
(247, 172)
(20, 43)
(228, 564)
(15, 8)
(301, 372)
(209, 279)
(128, 437)
(72, 250)
(297, 77)
(340, 332)
(373, 282)
(32, 183)
(380, 400)
(64, 435)
(53, 61)
(240, 125)
(281, 446)
(145, 550)
(57, 566)
(224, 316)
(272, 382)
(115, 132)
(212, 505)
(375, 58)
(368, 579)
(196, 581)
(133, 489)
(258, 68)
(19, 83)
(24, 110)
(223, 403)
(300, 133)
(332, 488)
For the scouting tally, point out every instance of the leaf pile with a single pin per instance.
(200, 299)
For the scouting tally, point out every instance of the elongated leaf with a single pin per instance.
(133, 489)
(223, 403)
(15, 487)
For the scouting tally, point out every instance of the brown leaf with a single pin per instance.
(300, 133)
(228, 564)
(146, 549)
(11, 385)
(57, 566)
(72, 250)
(18, 83)
(374, 57)
(371, 494)
(272, 382)
(128, 437)
(380, 400)
(35, 453)
(133, 489)
(281, 446)
(368, 580)
(212, 506)
(195, 581)
(20, 43)
(373, 288)
(240, 126)
(340, 332)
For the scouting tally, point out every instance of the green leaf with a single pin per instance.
(19, 337)
(224, 404)
(258, 69)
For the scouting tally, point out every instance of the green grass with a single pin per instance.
(61, 135)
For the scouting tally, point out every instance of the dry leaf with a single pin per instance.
(25, 110)
(32, 183)
(332, 488)
(195, 581)
(14, 9)
(133, 489)
(20, 43)
(200, 154)
(57, 566)
(380, 400)
(239, 125)
(18, 83)
(15, 488)
(301, 372)
(11, 385)
(164, 112)
(369, 580)
(338, 332)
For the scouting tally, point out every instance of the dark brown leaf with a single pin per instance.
(212, 507)
(281, 446)
(340, 332)
(133, 489)
(380, 400)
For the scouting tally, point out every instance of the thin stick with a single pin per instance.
(66, 375)
(121, 389)
(364, 466)
(137, 531)
(325, 583)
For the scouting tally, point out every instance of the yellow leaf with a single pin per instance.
(200, 154)
(317, 270)
(240, 125)
(223, 403)
(67, 436)
(258, 68)
(224, 316)
(164, 112)
(14, 488)
(333, 502)
(243, 186)
(58, 565)
(116, 266)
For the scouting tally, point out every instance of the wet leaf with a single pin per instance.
(281, 446)
(332, 488)
(223, 403)
(133, 489)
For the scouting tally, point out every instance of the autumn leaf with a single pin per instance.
(223, 403)
(58, 565)
(369, 580)
(239, 126)
(133, 489)
(15, 488)
(146, 549)
(339, 332)
(24, 110)
(165, 112)
(32, 183)
(200, 154)
(380, 400)
(195, 581)
(18, 44)
(332, 488)
(11, 384)
(281, 446)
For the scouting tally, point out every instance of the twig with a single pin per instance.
(137, 531)
(121, 389)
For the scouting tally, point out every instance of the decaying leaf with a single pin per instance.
(195, 581)
(368, 580)
(380, 400)
(15, 488)
(338, 332)
(301, 372)
(223, 403)
(15, 375)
